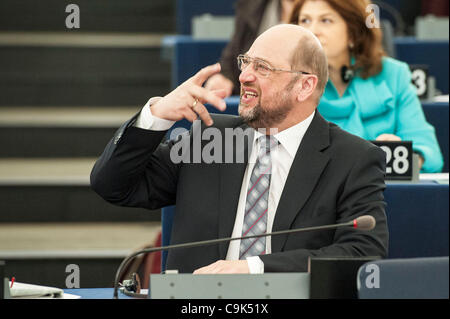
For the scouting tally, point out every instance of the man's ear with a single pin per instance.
(306, 87)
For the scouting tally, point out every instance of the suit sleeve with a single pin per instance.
(135, 169)
(362, 194)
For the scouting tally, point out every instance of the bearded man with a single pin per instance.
(301, 171)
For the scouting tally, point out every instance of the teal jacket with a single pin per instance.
(385, 103)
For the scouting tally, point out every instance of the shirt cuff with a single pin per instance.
(255, 265)
(147, 121)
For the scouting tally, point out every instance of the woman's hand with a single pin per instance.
(392, 137)
(220, 82)
(388, 137)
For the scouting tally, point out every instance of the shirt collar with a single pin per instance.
(291, 137)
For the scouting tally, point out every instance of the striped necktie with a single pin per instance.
(256, 206)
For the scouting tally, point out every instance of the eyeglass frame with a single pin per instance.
(252, 60)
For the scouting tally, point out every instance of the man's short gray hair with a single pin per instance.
(309, 56)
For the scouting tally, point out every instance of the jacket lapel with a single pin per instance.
(308, 165)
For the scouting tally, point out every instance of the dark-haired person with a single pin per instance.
(368, 94)
(252, 18)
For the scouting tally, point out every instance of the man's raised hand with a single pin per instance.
(187, 100)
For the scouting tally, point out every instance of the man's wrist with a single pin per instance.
(146, 120)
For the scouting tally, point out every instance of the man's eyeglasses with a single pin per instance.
(260, 66)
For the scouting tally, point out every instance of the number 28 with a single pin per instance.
(400, 162)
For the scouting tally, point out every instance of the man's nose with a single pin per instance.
(247, 74)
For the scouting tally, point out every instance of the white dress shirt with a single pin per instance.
(282, 157)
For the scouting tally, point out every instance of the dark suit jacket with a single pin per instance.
(334, 178)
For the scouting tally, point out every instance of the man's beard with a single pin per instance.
(268, 116)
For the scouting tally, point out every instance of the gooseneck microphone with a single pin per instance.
(365, 222)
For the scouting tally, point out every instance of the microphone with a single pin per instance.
(365, 222)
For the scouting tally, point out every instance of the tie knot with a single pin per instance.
(267, 142)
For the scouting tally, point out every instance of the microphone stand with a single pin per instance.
(216, 241)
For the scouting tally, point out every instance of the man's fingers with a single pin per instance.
(193, 88)
(201, 76)
(200, 271)
(209, 269)
(225, 267)
(207, 96)
(203, 113)
(190, 115)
